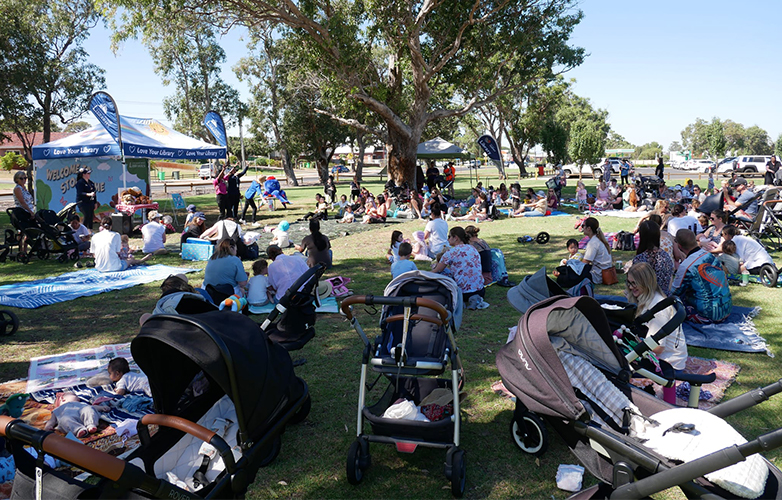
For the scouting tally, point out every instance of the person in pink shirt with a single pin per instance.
(221, 191)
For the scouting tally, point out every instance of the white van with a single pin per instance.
(207, 171)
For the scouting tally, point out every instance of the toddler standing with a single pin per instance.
(581, 196)
(257, 291)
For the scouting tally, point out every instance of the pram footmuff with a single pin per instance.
(416, 344)
(567, 373)
(223, 394)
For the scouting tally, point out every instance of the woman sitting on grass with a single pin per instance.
(463, 264)
(538, 207)
(479, 211)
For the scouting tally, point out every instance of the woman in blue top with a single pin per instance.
(255, 189)
(225, 268)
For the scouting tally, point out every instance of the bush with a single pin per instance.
(13, 161)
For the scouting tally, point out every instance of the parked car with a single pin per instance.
(595, 171)
(745, 164)
(474, 164)
(206, 171)
(701, 165)
(339, 169)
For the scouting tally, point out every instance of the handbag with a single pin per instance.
(609, 276)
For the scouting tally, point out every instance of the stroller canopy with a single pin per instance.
(232, 351)
(530, 367)
(532, 289)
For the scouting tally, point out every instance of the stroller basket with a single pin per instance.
(414, 389)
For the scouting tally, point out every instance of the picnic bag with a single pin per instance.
(609, 276)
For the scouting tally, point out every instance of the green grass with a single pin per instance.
(312, 461)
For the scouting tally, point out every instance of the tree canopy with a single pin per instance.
(409, 62)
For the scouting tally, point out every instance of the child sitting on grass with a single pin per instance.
(573, 252)
(420, 251)
(349, 216)
(403, 264)
(126, 253)
(127, 381)
(257, 291)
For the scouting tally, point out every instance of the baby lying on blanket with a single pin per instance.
(71, 415)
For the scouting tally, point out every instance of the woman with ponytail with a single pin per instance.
(598, 251)
(316, 246)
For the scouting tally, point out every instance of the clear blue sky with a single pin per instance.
(655, 66)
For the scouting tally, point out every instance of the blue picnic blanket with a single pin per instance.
(327, 305)
(69, 286)
(737, 333)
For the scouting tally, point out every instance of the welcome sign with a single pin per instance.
(55, 180)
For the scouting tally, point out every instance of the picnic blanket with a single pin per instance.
(327, 305)
(74, 368)
(69, 286)
(617, 213)
(737, 333)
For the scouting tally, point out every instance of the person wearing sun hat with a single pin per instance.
(195, 228)
(154, 234)
(191, 210)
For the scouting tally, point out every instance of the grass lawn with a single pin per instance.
(312, 461)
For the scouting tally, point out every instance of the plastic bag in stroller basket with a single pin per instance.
(415, 390)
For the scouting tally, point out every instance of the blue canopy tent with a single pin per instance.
(57, 163)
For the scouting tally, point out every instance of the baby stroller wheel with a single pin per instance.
(42, 254)
(274, 450)
(10, 237)
(529, 433)
(458, 472)
(9, 323)
(74, 255)
(302, 412)
(23, 258)
(62, 258)
(769, 275)
(542, 237)
(358, 461)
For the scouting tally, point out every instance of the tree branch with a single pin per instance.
(353, 123)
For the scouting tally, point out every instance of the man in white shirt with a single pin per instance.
(681, 220)
(106, 246)
(154, 234)
(436, 232)
(284, 270)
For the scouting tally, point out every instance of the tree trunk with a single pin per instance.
(402, 158)
(287, 168)
(362, 147)
(322, 158)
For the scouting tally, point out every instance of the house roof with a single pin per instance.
(14, 144)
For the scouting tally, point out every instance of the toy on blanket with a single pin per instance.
(235, 303)
(71, 415)
(14, 405)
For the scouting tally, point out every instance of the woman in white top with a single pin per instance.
(24, 200)
(598, 251)
(642, 289)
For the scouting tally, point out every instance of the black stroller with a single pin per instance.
(47, 235)
(415, 345)
(223, 393)
(596, 417)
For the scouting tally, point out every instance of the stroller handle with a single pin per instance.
(195, 430)
(76, 453)
(393, 301)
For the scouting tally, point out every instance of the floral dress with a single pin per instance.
(662, 263)
(465, 265)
